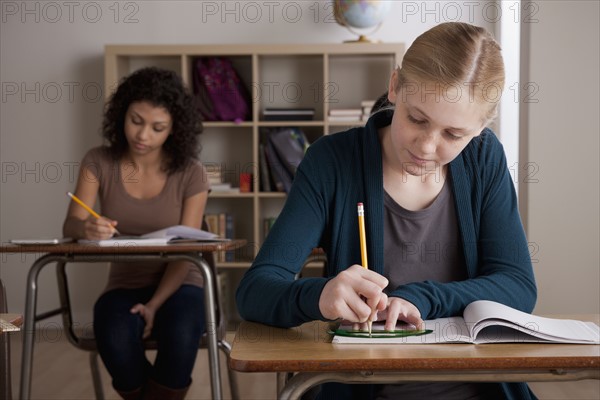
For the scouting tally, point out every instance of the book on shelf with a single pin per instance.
(288, 114)
(213, 171)
(367, 103)
(223, 226)
(344, 118)
(223, 187)
(265, 177)
(213, 223)
(172, 234)
(356, 112)
(483, 321)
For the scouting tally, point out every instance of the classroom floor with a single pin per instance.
(61, 372)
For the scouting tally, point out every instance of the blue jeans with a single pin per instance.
(178, 326)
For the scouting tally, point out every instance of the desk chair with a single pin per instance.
(86, 340)
(5, 378)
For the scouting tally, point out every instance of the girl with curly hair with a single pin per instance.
(147, 177)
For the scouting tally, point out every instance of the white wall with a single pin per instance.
(562, 143)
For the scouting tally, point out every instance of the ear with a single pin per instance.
(392, 94)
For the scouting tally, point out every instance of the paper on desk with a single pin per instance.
(172, 234)
(490, 322)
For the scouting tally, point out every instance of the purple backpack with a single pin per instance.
(222, 95)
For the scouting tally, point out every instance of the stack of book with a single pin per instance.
(289, 114)
(352, 115)
(224, 187)
(213, 170)
(223, 225)
(345, 115)
(215, 178)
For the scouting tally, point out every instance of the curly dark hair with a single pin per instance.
(161, 88)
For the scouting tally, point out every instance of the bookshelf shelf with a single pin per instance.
(315, 76)
(225, 195)
(289, 123)
(245, 124)
(347, 123)
(272, 195)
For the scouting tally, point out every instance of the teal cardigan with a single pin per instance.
(345, 168)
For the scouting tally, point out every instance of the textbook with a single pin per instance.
(483, 321)
(172, 234)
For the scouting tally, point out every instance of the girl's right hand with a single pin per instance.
(98, 228)
(344, 296)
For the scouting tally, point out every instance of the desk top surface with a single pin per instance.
(308, 348)
(77, 248)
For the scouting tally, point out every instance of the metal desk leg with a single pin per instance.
(282, 380)
(298, 384)
(29, 321)
(211, 324)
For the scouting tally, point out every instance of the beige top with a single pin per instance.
(139, 216)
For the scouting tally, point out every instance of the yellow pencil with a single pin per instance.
(88, 209)
(363, 247)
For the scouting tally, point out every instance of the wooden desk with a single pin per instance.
(74, 252)
(307, 350)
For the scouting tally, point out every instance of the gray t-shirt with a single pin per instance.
(422, 245)
(418, 246)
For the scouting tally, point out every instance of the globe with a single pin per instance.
(361, 14)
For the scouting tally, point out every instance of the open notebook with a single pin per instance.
(173, 234)
(485, 321)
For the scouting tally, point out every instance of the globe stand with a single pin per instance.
(362, 38)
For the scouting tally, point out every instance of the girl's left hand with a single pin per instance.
(148, 314)
(403, 310)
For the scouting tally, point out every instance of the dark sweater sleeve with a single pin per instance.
(503, 266)
(268, 292)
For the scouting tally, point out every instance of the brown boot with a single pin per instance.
(155, 391)
(135, 394)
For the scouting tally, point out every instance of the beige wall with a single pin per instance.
(44, 133)
(562, 145)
